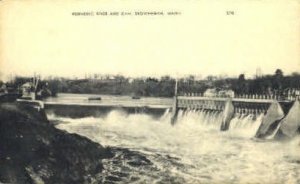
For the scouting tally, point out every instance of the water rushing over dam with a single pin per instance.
(245, 125)
(148, 149)
(270, 111)
(151, 150)
(224, 110)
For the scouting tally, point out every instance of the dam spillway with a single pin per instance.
(93, 109)
(265, 113)
(227, 112)
(242, 105)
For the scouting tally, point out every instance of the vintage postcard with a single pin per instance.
(150, 91)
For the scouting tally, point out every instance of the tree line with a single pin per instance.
(277, 83)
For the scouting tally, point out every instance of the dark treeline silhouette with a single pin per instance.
(277, 83)
(268, 84)
(116, 86)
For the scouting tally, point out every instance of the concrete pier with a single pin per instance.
(227, 115)
(273, 115)
(290, 124)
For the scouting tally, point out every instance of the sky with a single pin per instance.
(43, 37)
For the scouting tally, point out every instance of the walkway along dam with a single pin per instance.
(273, 118)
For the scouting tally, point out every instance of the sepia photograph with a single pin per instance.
(150, 91)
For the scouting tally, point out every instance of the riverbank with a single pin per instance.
(34, 151)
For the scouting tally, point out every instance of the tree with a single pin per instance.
(279, 73)
(241, 84)
(242, 77)
(277, 84)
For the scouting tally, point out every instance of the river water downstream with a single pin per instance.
(150, 150)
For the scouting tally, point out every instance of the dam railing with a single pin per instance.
(291, 97)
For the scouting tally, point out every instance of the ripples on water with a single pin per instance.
(149, 150)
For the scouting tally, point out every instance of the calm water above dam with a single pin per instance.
(150, 150)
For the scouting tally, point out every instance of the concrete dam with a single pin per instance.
(269, 118)
(278, 118)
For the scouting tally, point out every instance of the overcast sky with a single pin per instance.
(45, 38)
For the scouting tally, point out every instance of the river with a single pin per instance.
(151, 150)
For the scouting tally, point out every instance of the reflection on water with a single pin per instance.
(193, 151)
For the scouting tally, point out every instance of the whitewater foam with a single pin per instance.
(195, 149)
